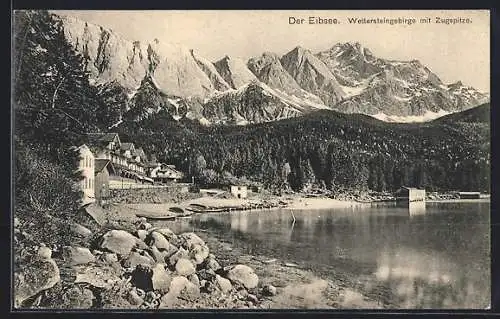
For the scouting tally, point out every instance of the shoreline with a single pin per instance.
(292, 203)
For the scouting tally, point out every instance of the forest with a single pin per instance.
(326, 149)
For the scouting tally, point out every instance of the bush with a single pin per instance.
(46, 196)
(43, 186)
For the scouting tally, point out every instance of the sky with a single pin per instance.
(459, 51)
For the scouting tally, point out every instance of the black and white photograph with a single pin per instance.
(250, 159)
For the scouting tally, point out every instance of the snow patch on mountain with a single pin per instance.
(428, 116)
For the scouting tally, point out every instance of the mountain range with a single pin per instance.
(347, 78)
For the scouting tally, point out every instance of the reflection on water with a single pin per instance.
(416, 208)
(430, 255)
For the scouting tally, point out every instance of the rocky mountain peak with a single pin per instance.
(234, 71)
(347, 77)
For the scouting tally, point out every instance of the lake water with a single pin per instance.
(432, 255)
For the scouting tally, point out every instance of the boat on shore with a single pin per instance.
(156, 217)
(176, 210)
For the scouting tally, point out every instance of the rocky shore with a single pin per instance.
(145, 268)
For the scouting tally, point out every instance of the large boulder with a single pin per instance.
(189, 240)
(136, 258)
(158, 255)
(99, 276)
(194, 279)
(77, 255)
(180, 287)
(185, 267)
(160, 278)
(118, 241)
(142, 234)
(243, 275)
(198, 253)
(34, 277)
(80, 230)
(158, 240)
(212, 264)
(167, 233)
(223, 284)
(180, 253)
(77, 298)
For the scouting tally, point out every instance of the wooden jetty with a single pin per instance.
(220, 209)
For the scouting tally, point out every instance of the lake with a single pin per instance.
(428, 255)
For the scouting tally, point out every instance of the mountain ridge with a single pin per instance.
(347, 77)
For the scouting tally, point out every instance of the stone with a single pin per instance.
(134, 298)
(203, 282)
(160, 279)
(118, 241)
(33, 278)
(44, 252)
(158, 255)
(189, 240)
(194, 279)
(185, 267)
(223, 284)
(135, 258)
(158, 240)
(180, 253)
(211, 263)
(99, 276)
(140, 244)
(80, 230)
(269, 290)
(17, 223)
(77, 255)
(142, 234)
(77, 298)
(206, 274)
(109, 258)
(150, 296)
(252, 298)
(170, 251)
(141, 277)
(167, 233)
(180, 287)
(243, 275)
(198, 253)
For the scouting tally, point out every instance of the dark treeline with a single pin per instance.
(325, 149)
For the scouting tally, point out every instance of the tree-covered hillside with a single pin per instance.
(327, 149)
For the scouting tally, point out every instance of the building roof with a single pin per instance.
(127, 146)
(102, 137)
(100, 164)
(411, 188)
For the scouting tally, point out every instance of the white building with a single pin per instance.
(239, 191)
(86, 167)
